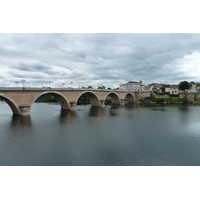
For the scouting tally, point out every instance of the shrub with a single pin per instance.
(173, 95)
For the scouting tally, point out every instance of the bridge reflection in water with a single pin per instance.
(68, 116)
(21, 120)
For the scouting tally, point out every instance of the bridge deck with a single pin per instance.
(65, 89)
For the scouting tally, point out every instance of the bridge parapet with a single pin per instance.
(67, 89)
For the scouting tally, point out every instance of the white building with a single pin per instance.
(131, 85)
(174, 90)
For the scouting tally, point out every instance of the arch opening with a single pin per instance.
(88, 98)
(11, 103)
(53, 97)
(129, 99)
(112, 99)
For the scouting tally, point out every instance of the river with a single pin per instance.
(156, 135)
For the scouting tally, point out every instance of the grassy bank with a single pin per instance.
(167, 99)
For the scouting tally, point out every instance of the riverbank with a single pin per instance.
(193, 98)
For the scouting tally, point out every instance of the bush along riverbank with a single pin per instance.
(50, 98)
(154, 98)
(46, 98)
(181, 98)
(83, 100)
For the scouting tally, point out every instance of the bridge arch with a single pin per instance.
(64, 103)
(115, 100)
(12, 104)
(129, 98)
(94, 100)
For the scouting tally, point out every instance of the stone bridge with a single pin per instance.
(21, 100)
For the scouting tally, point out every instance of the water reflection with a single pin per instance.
(183, 109)
(115, 110)
(183, 114)
(116, 107)
(152, 105)
(162, 108)
(114, 135)
(21, 121)
(68, 116)
(20, 125)
(97, 112)
(131, 105)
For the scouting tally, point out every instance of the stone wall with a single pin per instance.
(190, 97)
(182, 95)
(145, 95)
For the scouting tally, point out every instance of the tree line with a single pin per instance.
(184, 85)
(83, 99)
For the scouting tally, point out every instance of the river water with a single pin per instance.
(156, 135)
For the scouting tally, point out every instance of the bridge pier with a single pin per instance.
(72, 105)
(102, 103)
(122, 102)
(24, 110)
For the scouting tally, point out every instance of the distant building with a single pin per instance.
(142, 87)
(174, 89)
(194, 87)
(132, 85)
(153, 86)
(197, 87)
(165, 89)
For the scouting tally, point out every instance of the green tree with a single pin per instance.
(83, 99)
(101, 87)
(46, 98)
(183, 85)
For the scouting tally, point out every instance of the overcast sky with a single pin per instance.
(94, 59)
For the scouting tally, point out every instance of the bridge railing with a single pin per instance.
(67, 89)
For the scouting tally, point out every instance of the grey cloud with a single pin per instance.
(27, 76)
(96, 57)
(30, 66)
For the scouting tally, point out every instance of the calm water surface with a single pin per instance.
(89, 136)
